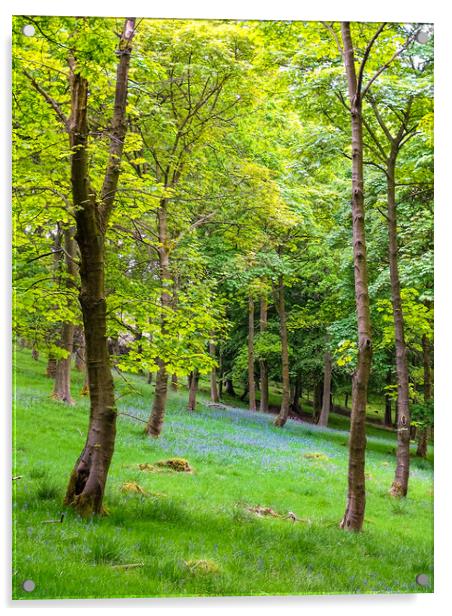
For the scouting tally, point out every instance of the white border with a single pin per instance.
(426, 11)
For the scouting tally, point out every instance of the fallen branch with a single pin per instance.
(60, 521)
(129, 566)
(133, 417)
(17, 477)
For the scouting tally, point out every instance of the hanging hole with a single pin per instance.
(28, 30)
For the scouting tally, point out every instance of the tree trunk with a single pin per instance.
(213, 375)
(191, 406)
(295, 405)
(317, 400)
(62, 386)
(356, 498)
(263, 364)
(230, 387)
(79, 347)
(251, 381)
(174, 382)
(87, 482)
(285, 401)
(326, 401)
(388, 402)
(400, 484)
(155, 422)
(346, 400)
(422, 442)
(51, 366)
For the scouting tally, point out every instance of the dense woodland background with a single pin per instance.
(237, 210)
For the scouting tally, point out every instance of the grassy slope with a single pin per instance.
(240, 459)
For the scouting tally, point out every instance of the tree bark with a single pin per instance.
(263, 364)
(356, 498)
(285, 401)
(400, 484)
(79, 347)
(213, 375)
(87, 482)
(317, 400)
(388, 402)
(193, 390)
(251, 381)
(422, 443)
(155, 422)
(62, 385)
(51, 366)
(326, 401)
(230, 387)
(174, 382)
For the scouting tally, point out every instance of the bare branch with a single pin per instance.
(49, 100)
(389, 62)
(366, 56)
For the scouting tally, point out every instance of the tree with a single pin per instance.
(91, 211)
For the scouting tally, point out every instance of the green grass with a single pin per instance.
(239, 460)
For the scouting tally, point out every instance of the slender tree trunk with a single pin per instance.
(251, 381)
(285, 401)
(422, 442)
(388, 411)
(296, 407)
(221, 374)
(79, 347)
(317, 400)
(326, 401)
(213, 375)
(356, 498)
(174, 382)
(230, 387)
(193, 390)
(263, 364)
(400, 484)
(155, 422)
(62, 386)
(388, 402)
(346, 400)
(87, 482)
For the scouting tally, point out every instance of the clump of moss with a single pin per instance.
(316, 456)
(149, 468)
(203, 566)
(133, 487)
(180, 465)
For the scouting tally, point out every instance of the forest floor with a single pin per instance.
(206, 532)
